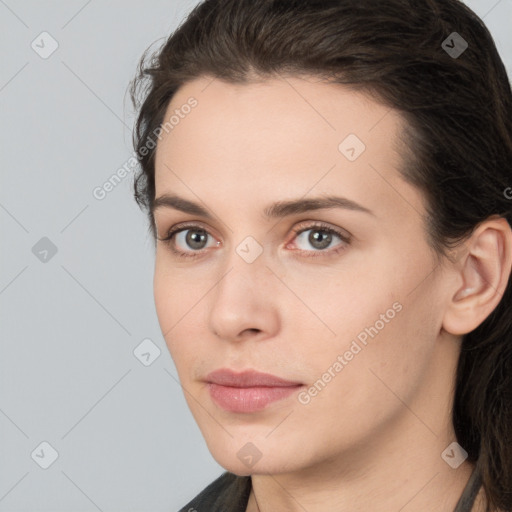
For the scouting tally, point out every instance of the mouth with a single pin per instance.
(249, 391)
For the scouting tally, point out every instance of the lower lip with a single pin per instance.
(248, 399)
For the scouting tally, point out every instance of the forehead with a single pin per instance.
(281, 136)
(279, 110)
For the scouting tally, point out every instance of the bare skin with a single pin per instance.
(372, 437)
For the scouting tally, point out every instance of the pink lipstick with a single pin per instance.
(249, 391)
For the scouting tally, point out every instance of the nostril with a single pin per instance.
(252, 330)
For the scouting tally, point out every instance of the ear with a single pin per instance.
(482, 273)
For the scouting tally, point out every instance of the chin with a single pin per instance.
(249, 460)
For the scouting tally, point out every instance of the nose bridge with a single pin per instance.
(246, 268)
(242, 298)
(244, 278)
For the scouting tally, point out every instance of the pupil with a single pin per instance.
(196, 239)
(320, 239)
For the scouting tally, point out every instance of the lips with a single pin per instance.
(247, 379)
(249, 391)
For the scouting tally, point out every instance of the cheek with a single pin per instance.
(341, 302)
(176, 293)
(180, 298)
(171, 306)
(372, 320)
(372, 385)
(164, 298)
(392, 355)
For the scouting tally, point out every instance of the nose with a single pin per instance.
(244, 303)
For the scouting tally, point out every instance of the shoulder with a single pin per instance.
(228, 493)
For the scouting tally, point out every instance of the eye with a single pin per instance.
(320, 238)
(195, 239)
(314, 240)
(188, 241)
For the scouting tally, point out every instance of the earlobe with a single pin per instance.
(484, 272)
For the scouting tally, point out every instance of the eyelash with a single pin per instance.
(318, 226)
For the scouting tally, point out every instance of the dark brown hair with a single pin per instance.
(457, 145)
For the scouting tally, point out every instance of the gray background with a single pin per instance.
(70, 321)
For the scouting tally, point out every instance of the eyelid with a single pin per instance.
(183, 226)
(321, 225)
(343, 235)
(171, 233)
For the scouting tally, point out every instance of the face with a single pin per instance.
(296, 250)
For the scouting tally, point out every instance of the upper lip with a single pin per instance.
(247, 379)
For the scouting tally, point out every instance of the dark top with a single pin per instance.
(230, 493)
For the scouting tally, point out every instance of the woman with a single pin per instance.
(328, 185)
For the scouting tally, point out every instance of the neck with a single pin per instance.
(409, 487)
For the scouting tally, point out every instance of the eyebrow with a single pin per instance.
(276, 210)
